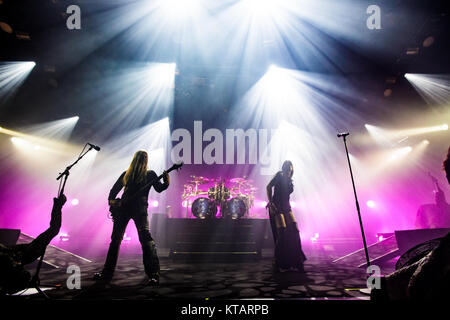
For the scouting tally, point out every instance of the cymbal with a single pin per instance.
(199, 180)
(238, 180)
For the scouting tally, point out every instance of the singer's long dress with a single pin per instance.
(288, 248)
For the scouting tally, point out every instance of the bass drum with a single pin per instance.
(235, 208)
(203, 208)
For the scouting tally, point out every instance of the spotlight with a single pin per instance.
(428, 41)
(417, 131)
(434, 88)
(64, 236)
(381, 136)
(163, 72)
(155, 203)
(412, 51)
(272, 67)
(400, 152)
(391, 80)
(22, 35)
(260, 6)
(387, 92)
(19, 142)
(75, 202)
(370, 204)
(6, 27)
(12, 75)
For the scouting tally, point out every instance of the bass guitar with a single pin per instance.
(116, 205)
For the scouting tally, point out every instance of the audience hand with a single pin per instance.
(60, 201)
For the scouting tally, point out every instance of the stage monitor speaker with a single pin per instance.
(393, 246)
(56, 257)
(9, 237)
(407, 239)
(215, 240)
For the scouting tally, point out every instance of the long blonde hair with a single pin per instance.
(137, 172)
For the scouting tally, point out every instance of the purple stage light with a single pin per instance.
(64, 236)
(314, 239)
(186, 203)
(370, 204)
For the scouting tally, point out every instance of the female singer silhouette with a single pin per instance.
(288, 249)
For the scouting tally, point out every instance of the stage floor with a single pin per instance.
(246, 280)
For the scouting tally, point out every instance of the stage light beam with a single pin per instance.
(59, 130)
(12, 75)
(434, 88)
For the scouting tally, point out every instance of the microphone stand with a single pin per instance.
(35, 281)
(344, 136)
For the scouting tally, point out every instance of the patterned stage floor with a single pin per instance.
(245, 280)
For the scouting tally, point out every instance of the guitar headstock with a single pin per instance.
(176, 166)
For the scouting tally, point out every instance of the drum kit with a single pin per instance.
(234, 197)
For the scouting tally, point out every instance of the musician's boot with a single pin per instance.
(102, 277)
(153, 280)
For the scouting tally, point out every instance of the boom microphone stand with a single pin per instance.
(35, 281)
(344, 136)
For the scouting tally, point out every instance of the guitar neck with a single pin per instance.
(162, 174)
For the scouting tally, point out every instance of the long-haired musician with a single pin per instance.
(133, 205)
(288, 250)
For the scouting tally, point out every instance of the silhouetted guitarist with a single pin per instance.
(137, 181)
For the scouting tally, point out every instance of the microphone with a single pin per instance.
(94, 146)
(343, 134)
